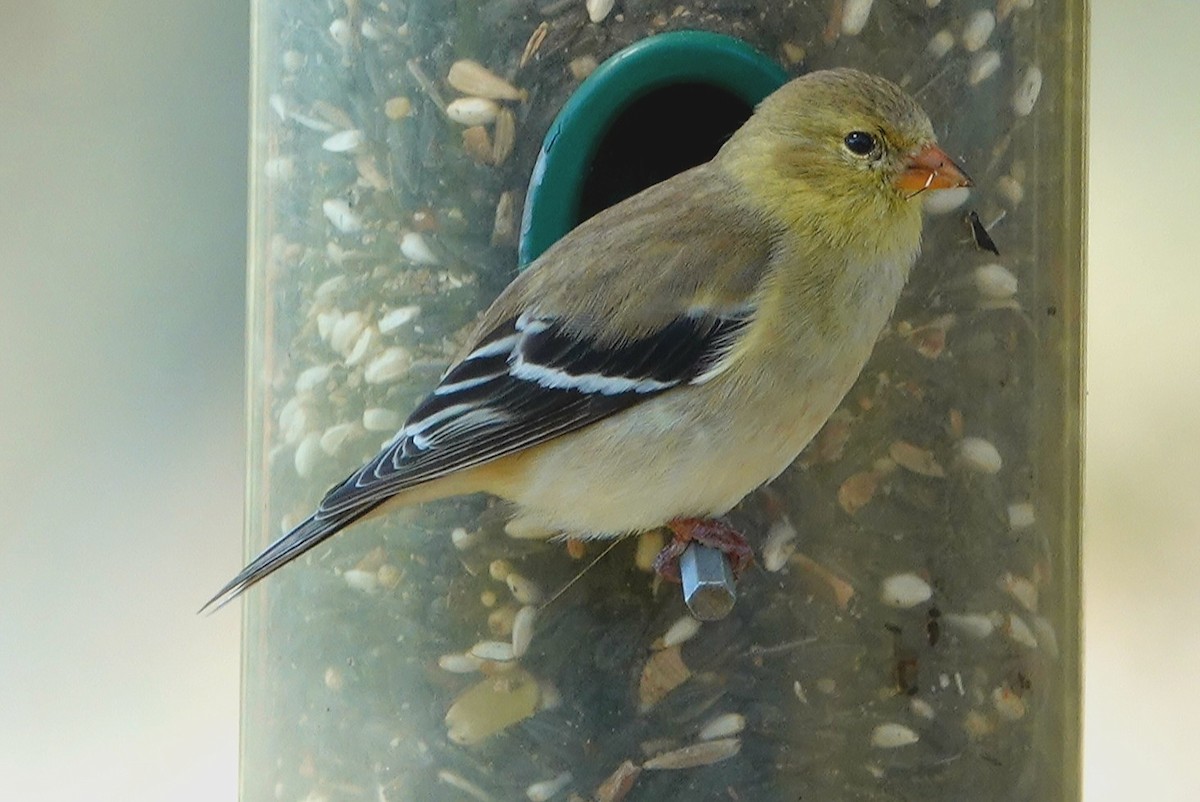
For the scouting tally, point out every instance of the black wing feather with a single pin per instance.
(499, 413)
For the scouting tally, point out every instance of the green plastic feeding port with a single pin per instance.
(655, 109)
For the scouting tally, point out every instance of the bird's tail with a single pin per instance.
(300, 539)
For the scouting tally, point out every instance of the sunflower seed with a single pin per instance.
(1022, 589)
(945, 200)
(397, 108)
(472, 110)
(496, 650)
(1007, 704)
(336, 436)
(978, 455)
(995, 281)
(701, 754)
(1025, 96)
(341, 32)
(780, 545)
(398, 317)
(892, 735)
(506, 136)
(313, 377)
(362, 347)
(462, 539)
(854, 16)
(683, 630)
(472, 78)
(723, 726)
(983, 66)
(548, 789)
(941, 44)
(973, 624)
(280, 168)
(523, 590)
(344, 218)
(461, 783)
(904, 591)
(1019, 632)
(598, 9)
(388, 366)
(1020, 515)
(378, 419)
(977, 30)
(416, 249)
(308, 454)
(477, 142)
(345, 141)
(919, 460)
(522, 630)
(345, 331)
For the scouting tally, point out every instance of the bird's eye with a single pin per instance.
(860, 143)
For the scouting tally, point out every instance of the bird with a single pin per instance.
(679, 349)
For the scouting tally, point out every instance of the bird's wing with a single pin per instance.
(529, 381)
(669, 305)
(666, 310)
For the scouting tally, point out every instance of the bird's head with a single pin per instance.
(841, 152)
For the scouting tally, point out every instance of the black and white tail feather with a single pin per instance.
(530, 379)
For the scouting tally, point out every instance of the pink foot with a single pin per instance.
(708, 532)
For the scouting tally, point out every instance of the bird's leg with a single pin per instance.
(708, 532)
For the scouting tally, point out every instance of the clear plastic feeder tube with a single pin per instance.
(911, 627)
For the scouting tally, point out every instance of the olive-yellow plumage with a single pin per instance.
(678, 350)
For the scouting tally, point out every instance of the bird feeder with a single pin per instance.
(910, 629)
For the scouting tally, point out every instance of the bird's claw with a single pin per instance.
(708, 532)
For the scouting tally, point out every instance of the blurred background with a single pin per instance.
(123, 130)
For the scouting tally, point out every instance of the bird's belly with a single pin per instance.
(635, 472)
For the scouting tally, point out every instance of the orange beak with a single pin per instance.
(931, 168)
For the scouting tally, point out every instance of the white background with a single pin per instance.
(122, 206)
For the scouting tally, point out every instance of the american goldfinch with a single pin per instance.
(678, 350)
